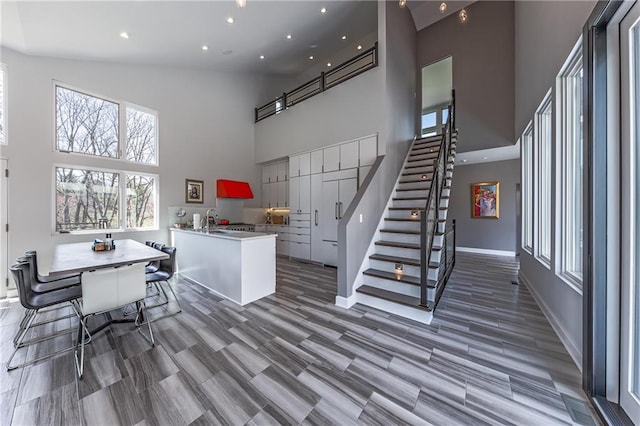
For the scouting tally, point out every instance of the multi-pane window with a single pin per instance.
(542, 150)
(89, 198)
(527, 188)
(3, 106)
(570, 168)
(433, 119)
(92, 125)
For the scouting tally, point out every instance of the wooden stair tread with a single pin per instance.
(411, 189)
(398, 245)
(406, 208)
(410, 198)
(395, 259)
(417, 173)
(407, 279)
(401, 299)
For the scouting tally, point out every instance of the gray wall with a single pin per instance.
(398, 40)
(205, 126)
(545, 34)
(483, 71)
(489, 234)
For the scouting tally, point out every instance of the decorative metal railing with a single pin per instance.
(430, 216)
(339, 74)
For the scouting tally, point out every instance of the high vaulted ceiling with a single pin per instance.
(173, 32)
(427, 12)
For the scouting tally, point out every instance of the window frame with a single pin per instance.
(122, 188)
(542, 150)
(122, 126)
(437, 109)
(527, 179)
(4, 104)
(567, 154)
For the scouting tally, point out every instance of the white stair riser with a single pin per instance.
(414, 193)
(409, 203)
(416, 171)
(421, 186)
(444, 202)
(400, 238)
(438, 240)
(403, 214)
(442, 214)
(435, 256)
(390, 267)
(402, 226)
(398, 252)
(395, 286)
(421, 163)
(442, 226)
(395, 308)
(446, 192)
(432, 274)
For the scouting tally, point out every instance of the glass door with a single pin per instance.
(630, 268)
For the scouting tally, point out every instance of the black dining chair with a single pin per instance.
(34, 302)
(166, 269)
(154, 264)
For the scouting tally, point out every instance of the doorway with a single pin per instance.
(437, 83)
(4, 243)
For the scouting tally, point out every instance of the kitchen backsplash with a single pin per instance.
(245, 215)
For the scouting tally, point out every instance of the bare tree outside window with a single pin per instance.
(86, 199)
(140, 201)
(141, 136)
(86, 124)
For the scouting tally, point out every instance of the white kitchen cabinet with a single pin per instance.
(316, 162)
(336, 197)
(266, 195)
(267, 172)
(282, 171)
(281, 196)
(299, 197)
(349, 155)
(330, 253)
(316, 208)
(300, 165)
(331, 158)
(368, 151)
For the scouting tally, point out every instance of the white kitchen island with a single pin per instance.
(239, 266)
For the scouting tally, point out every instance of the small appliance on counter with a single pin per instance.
(268, 218)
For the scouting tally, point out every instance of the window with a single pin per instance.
(527, 188)
(91, 125)
(3, 105)
(542, 151)
(570, 168)
(433, 119)
(90, 198)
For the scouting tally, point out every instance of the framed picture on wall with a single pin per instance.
(485, 200)
(194, 191)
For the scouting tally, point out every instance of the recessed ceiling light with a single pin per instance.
(230, 20)
(328, 64)
(124, 34)
(359, 47)
(323, 10)
(344, 37)
(484, 158)
(310, 57)
(261, 56)
(288, 36)
(205, 47)
(464, 161)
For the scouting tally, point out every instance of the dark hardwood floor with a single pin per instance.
(489, 357)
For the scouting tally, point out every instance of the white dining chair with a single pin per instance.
(104, 290)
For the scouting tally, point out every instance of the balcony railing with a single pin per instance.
(341, 73)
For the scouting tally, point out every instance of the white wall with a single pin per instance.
(545, 34)
(206, 132)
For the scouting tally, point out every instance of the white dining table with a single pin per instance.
(78, 257)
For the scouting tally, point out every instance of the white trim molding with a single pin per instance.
(573, 350)
(346, 302)
(486, 251)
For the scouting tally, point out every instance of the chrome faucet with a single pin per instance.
(206, 218)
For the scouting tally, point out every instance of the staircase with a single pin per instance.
(415, 253)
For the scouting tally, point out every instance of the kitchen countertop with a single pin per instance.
(227, 234)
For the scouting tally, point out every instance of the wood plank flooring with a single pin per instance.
(489, 357)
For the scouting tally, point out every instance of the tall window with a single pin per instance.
(89, 198)
(527, 188)
(570, 168)
(87, 124)
(3, 105)
(433, 119)
(542, 150)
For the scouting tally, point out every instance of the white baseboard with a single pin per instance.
(346, 302)
(569, 345)
(409, 312)
(486, 251)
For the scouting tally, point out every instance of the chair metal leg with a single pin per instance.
(175, 296)
(82, 332)
(140, 319)
(29, 314)
(20, 339)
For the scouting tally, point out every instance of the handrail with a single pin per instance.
(325, 81)
(432, 205)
